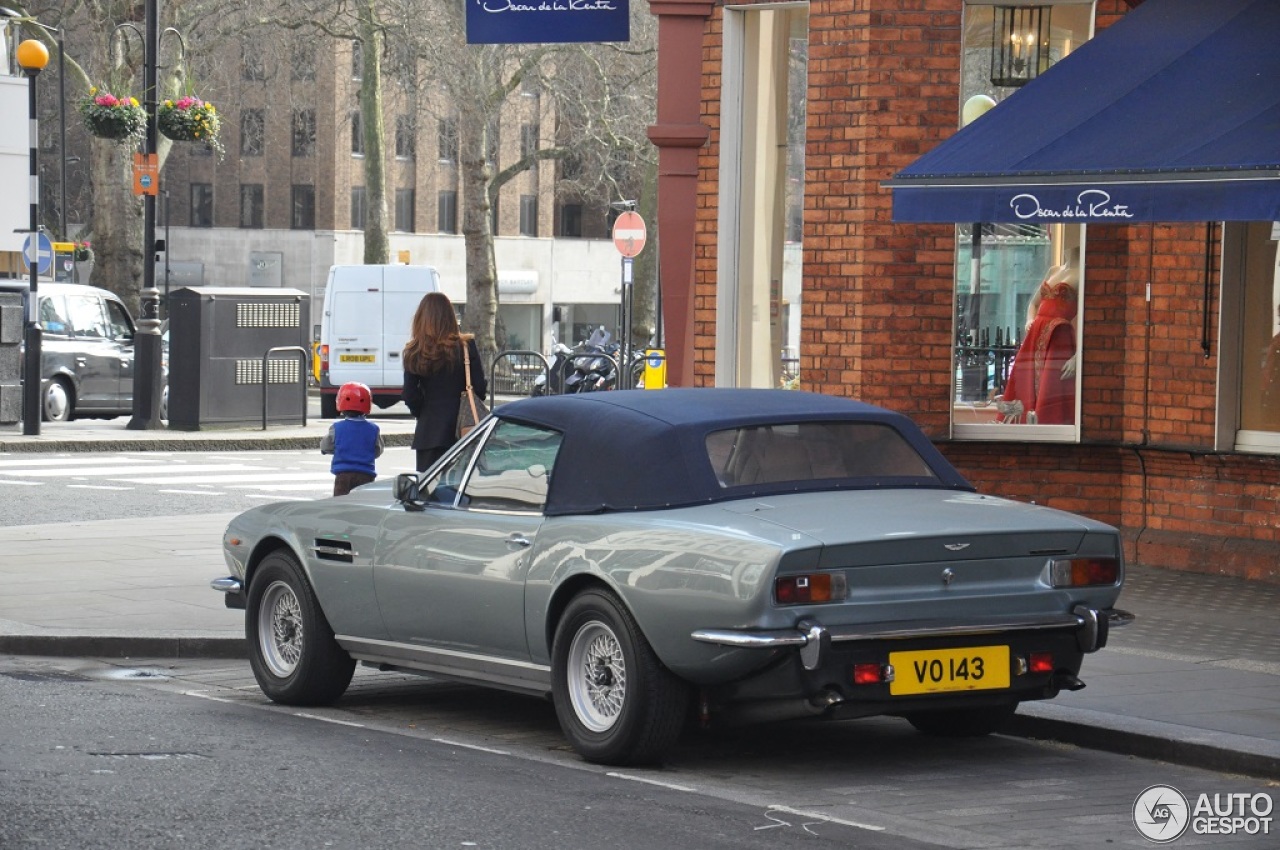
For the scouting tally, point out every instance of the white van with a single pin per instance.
(365, 325)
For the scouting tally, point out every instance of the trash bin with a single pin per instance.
(12, 322)
(220, 338)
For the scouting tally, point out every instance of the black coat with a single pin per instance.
(434, 399)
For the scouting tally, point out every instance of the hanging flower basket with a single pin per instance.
(83, 252)
(120, 119)
(190, 119)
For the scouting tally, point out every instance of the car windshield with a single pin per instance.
(813, 451)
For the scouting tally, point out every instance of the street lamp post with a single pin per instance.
(32, 56)
(146, 342)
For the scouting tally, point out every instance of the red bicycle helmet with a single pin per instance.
(354, 396)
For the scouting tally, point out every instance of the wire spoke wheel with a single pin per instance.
(280, 629)
(597, 676)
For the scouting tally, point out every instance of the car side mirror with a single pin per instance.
(406, 491)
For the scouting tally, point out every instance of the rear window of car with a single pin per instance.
(813, 451)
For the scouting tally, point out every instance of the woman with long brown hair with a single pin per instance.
(434, 377)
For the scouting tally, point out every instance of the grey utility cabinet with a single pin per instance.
(219, 339)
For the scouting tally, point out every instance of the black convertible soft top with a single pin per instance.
(647, 449)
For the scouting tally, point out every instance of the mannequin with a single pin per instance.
(1042, 378)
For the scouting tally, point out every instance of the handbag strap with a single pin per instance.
(466, 368)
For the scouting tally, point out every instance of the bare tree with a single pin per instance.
(602, 97)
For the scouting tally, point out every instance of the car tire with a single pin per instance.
(164, 403)
(291, 647)
(615, 701)
(962, 722)
(328, 406)
(58, 402)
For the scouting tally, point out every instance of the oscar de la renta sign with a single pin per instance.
(546, 21)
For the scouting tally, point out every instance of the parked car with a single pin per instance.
(753, 553)
(86, 351)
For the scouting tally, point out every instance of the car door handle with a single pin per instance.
(519, 541)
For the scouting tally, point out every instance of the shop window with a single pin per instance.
(447, 139)
(202, 205)
(253, 125)
(251, 204)
(447, 211)
(528, 215)
(357, 134)
(404, 210)
(1019, 288)
(359, 208)
(303, 202)
(405, 147)
(1250, 398)
(304, 132)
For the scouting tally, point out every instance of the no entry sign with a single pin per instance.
(629, 234)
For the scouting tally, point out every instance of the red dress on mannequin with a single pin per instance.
(1036, 379)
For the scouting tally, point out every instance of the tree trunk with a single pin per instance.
(117, 222)
(477, 232)
(377, 246)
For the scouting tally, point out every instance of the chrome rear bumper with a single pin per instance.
(1091, 627)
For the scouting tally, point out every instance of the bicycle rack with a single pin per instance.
(306, 358)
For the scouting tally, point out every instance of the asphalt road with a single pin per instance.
(192, 748)
(97, 762)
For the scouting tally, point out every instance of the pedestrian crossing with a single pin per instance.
(252, 475)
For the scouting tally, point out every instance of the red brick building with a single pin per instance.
(1166, 429)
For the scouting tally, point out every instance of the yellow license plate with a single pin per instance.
(357, 358)
(931, 671)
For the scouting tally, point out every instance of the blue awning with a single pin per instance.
(1170, 114)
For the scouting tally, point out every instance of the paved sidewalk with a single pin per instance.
(1196, 680)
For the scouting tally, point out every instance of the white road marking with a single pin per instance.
(263, 475)
(174, 492)
(818, 816)
(647, 781)
(90, 486)
(182, 470)
(471, 746)
(21, 483)
(328, 719)
(65, 461)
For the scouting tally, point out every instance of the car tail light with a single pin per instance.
(872, 674)
(1083, 572)
(1040, 662)
(324, 358)
(809, 588)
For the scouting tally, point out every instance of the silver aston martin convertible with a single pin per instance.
(650, 558)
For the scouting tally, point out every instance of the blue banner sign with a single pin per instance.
(547, 21)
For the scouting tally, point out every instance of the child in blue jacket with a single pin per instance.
(353, 440)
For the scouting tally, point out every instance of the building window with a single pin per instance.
(302, 54)
(253, 64)
(253, 125)
(359, 208)
(202, 205)
(528, 215)
(447, 139)
(1251, 317)
(357, 60)
(304, 132)
(404, 210)
(405, 146)
(1017, 330)
(447, 212)
(357, 134)
(529, 144)
(303, 207)
(251, 204)
(571, 220)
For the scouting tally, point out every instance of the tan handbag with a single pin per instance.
(471, 410)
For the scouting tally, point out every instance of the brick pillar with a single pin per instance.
(678, 134)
